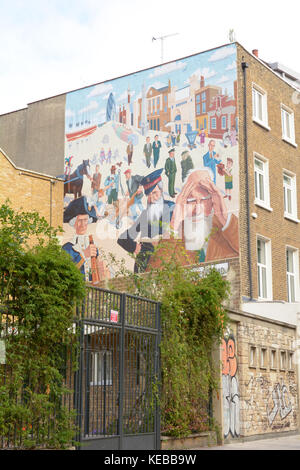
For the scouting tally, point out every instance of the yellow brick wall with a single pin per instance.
(29, 191)
(281, 155)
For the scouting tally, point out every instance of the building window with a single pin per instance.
(203, 96)
(290, 195)
(264, 270)
(263, 358)
(101, 368)
(291, 360)
(292, 274)
(197, 98)
(252, 356)
(157, 102)
(165, 98)
(273, 359)
(282, 360)
(198, 109)
(261, 182)
(204, 107)
(288, 125)
(205, 123)
(213, 123)
(224, 122)
(259, 106)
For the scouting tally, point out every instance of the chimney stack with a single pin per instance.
(255, 52)
(202, 82)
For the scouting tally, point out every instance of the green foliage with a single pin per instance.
(193, 323)
(39, 286)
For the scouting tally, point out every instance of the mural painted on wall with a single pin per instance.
(230, 388)
(152, 153)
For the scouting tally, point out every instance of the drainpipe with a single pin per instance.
(244, 67)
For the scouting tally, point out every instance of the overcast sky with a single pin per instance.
(50, 47)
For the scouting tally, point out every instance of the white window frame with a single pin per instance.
(264, 269)
(213, 121)
(288, 114)
(264, 174)
(259, 93)
(293, 276)
(97, 368)
(293, 214)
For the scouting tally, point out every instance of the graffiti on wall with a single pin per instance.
(281, 402)
(230, 388)
(150, 154)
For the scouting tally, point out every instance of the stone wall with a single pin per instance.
(259, 377)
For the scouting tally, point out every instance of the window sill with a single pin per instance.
(291, 218)
(261, 123)
(259, 203)
(291, 142)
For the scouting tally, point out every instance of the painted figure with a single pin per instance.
(173, 139)
(112, 182)
(228, 178)
(82, 248)
(135, 193)
(186, 164)
(210, 159)
(156, 146)
(96, 180)
(152, 223)
(202, 137)
(102, 156)
(109, 156)
(129, 151)
(202, 221)
(170, 170)
(148, 151)
(233, 136)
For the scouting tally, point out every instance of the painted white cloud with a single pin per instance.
(101, 89)
(223, 79)
(90, 107)
(231, 66)
(222, 53)
(206, 72)
(167, 68)
(69, 113)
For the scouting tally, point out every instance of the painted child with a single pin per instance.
(228, 178)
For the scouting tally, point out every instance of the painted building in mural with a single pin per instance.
(144, 163)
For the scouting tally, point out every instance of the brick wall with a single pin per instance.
(280, 155)
(30, 191)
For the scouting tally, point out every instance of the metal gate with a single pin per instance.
(116, 386)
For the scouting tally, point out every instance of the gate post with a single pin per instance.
(121, 369)
(158, 377)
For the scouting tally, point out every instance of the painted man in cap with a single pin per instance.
(170, 170)
(79, 214)
(152, 224)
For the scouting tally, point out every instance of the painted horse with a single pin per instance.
(73, 182)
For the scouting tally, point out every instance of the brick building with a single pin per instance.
(260, 377)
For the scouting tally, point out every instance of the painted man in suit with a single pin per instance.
(129, 151)
(156, 150)
(170, 170)
(133, 183)
(210, 158)
(148, 151)
(153, 223)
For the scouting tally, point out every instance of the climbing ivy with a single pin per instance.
(193, 322)
(39, 286)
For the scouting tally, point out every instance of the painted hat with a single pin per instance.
(127, 171)
(149, 182)
(171, 150)
(77, 207)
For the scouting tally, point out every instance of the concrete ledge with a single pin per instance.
(204, 439)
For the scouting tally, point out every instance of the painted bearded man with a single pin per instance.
(201, 220)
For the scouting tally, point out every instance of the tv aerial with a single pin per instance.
(162, 38)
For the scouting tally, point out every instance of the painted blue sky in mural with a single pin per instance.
(218, 66)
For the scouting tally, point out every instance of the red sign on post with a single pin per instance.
(114, 316)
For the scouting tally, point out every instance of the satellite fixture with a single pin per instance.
(231, 35)
(162, 38)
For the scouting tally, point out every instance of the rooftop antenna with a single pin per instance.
(231, 35)
(162, 38)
